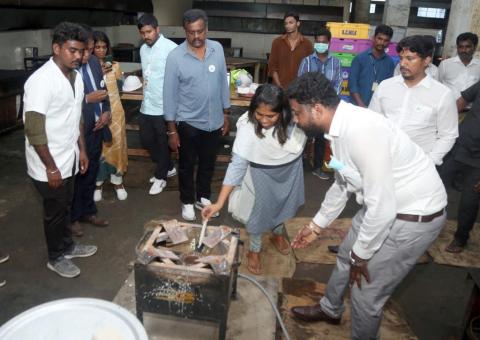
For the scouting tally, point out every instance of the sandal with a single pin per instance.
(281, 244)
(455, 247)
(254, 267)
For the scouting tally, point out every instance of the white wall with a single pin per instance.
(170, 13)
(13, 42)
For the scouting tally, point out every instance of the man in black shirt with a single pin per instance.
(464, 160)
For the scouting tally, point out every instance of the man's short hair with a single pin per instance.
(292, 14)
(88, 30)
(417, 44)
(66, 31)
(384, 29)
(147, 20)
(312, 88)
(323, 31)
(468, 36)
(193, 15)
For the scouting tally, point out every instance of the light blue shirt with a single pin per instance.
(196, 91)
(154, 60)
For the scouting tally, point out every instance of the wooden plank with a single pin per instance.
(185, 269)
(132, 127)
(152, 238)
(138, 152)
(234, 98)
(232, 250)
(168, 261)
(144, 153)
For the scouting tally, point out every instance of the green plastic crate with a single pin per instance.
(345, 58)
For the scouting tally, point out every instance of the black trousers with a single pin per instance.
(83, 203)
(196, 145)
(319, 152)
(56, 216)
(469, 199)
(153, 136)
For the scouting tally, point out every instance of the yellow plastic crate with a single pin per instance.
(348, 30)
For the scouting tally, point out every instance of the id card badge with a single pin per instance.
(374, 86)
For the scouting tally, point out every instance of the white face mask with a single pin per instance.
(321, 47)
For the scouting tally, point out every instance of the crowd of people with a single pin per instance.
(395, 147)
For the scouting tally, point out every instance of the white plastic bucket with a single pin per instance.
(74, 319)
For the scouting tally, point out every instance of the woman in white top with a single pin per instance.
(267, 170)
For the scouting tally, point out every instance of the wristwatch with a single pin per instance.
(355, 262)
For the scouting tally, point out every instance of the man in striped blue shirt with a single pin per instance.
(321, 61)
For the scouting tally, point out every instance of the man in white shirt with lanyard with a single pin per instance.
(54, 145)
(422, 107)
(153, 131)
(402, 198)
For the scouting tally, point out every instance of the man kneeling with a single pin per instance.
(403, 203)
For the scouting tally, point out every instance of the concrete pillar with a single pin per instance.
(395, 14)
(362, 11)
(463, 17)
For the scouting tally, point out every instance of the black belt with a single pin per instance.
(419, 218)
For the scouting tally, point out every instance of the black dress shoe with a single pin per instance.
(333, 249)
(313, 313)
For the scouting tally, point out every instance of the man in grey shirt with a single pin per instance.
(196, 99)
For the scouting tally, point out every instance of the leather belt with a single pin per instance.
(420, 218)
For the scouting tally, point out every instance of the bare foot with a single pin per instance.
(254, 263)
(281, 244)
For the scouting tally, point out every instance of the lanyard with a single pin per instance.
(374, 68)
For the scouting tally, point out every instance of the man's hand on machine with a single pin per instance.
(306, 235)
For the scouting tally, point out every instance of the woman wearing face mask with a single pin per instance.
(114, 161)
(267, 170)
(330, 67)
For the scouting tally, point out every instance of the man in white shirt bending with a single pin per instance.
(402, 198)
(422, 107)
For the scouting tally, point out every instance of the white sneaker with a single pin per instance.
(97, 195)
(188, 213)
(172, 172)
(204, 202)
(157, 186)
(121, 193)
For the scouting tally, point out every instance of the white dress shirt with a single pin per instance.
(426, 112)
(48, 92)
(395, 175)
(458, 77)
(431, 70)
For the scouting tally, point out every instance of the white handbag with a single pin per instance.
(242, 198)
